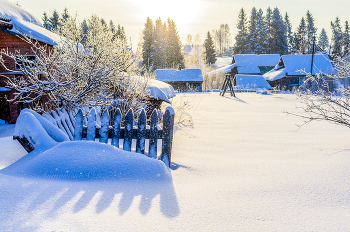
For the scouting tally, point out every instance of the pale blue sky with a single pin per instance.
(191, 16)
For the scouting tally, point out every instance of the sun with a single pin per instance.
(182, 12)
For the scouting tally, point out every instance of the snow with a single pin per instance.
(252, 82)
(173, 75)
(301, 64)
(24, 23)
(242, 166)
(4, 89)
(222, 62)
(86, 161)
(247, 64)
(160, 90)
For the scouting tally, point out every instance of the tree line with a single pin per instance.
(161, 45)
(272, 33)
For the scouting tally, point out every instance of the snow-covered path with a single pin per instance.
(241, 167)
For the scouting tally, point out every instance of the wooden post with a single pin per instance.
(116, 128)
(104, 127)
(91, 127)
(153, 135)
(141, 133)
(129, 123)
(78, 126)
(168, 125)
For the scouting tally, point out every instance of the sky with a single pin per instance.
(191, 16)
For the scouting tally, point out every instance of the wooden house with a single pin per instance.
(15, 23)
(182, 80)
(291, 70)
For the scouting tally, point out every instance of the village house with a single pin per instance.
(15, 23)
(291, 70)
(182, 80)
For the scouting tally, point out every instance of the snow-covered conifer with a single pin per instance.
(64, 15)
(279, 41)
(174, 57)
(46, 21)
(337, 37)
(323, 41)
(311, 32)
(261, 32)
(55, 20)
(302, 37)
(210, 55)
(252, 32)
(268, 29)
(147, 34)
(289, 33)
(241, 45)
(346, 40)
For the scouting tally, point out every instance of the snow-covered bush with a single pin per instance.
(89, 66)
(323, 100)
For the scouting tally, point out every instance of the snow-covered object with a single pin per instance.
(248, 64)
(24, 125)
(4, 89)
(252, 82)
(160, 90)
(173, 75)
(300, 65)
(24, 23)
(222, 62)
(2, 122)
(83, 160)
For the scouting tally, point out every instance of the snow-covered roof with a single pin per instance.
(248, 70)
(173, 75)
(160, 90)
(24, 23)
(222, 62)
(299, 65)
(240, 69)
(256, 60)
(252, 82)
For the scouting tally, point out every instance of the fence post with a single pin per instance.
(141, 133)
(129, 123)
(153, 135)
(91, 126)
(78, 127)
(104, 127)
(168, 125)
(116, 128)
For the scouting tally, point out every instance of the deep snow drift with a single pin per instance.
(84, 161)
(242, 166)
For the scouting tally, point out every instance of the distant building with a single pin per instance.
(249, 64)
(291, 70)
(14, 23)
(182, 80)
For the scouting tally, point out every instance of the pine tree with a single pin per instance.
(301, 37)
(65, 15)
(279, 40)
(346, 40)
(336, 37)
(260, 31)
(289, 33)
(268, 29)
(55, 20)
(174, 57)
(210, 55)
(252, 32)
(147, 43)
(323, 41)
(46, 22)
(241, 45)
(311, 32)
(158, 45)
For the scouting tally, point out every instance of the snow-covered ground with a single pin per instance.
(243, 166)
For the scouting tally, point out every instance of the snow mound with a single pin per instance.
(83, 160)
(160, 90)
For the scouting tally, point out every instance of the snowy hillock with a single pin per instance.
(83, 160)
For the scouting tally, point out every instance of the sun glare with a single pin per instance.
(181, 11)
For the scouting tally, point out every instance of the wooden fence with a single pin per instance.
(74, 128)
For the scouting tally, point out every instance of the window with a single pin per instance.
(28, 61)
